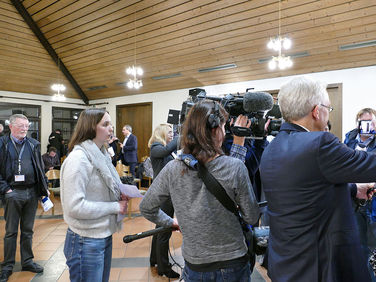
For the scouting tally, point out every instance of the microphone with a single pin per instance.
(257, 102)
(131, 238)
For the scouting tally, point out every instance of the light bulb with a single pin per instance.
(130, 84)
(270, 44)
(281, 63)
(272, 64)
(287, 43)
(140, 71)
(58, 87)
(277, 44)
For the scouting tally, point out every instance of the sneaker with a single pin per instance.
(33, 267)
(4, 276)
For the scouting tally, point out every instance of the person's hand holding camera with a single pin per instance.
(365, 190)
(241, 121)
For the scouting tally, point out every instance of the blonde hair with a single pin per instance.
(160, 134)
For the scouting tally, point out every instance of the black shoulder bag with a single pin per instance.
(255, 237)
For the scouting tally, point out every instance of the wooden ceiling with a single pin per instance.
(96, 41)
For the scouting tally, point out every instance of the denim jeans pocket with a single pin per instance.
(69, 244)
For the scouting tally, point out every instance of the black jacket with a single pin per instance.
(160, 155)
(7, 163)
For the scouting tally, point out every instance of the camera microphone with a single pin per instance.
(257, 102)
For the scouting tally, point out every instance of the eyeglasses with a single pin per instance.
(25, 126)
(330, 109)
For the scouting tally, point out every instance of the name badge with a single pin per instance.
(19, 178)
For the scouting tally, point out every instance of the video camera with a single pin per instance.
(257, 106)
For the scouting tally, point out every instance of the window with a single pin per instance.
(30, 111)
(65, 119)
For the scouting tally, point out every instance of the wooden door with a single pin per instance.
(335, 117)
(139, 116)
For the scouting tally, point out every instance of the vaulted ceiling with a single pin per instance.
(97, 40)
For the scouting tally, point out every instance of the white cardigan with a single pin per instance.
(89, 208)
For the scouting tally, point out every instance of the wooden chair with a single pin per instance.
(53, 174)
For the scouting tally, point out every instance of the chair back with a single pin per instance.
(53, 174)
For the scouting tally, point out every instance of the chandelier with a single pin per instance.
(58, 96)
(277, 44)
(134, 82)
(57, 87)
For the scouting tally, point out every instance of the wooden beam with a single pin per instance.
(43, 40)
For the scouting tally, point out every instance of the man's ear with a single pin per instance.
(315, 112)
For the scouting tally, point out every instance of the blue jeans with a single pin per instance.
(88, 259)
(238, 273)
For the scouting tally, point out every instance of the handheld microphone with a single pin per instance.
(257, 102)
(131, 238)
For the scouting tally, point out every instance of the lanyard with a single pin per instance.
(19, 154)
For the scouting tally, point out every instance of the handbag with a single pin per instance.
(256, 237)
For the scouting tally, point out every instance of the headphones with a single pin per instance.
(213, 119)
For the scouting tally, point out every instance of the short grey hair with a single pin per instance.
(299, 96)
(128, 127)
(13, 118)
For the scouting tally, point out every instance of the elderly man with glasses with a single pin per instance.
(306, 175)
(22, 182)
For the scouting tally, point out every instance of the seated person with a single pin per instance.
(51, 159)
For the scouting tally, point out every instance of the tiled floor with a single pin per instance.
(130, 262)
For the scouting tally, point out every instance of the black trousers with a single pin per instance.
(160, 242)
(20, 207)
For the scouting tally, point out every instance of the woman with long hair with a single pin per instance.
(161, 146)
(213, 247)
(91, 198)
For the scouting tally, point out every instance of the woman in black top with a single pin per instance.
(161, 146)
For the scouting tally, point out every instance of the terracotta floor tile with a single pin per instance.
(134, 274)
(118, 252)
(21, 276)
(42, 255)
(65, 276)
(47, 246)
(114, 274)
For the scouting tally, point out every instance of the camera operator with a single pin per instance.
(249, 151)
(305, 173)
(364, 141)
(213, 242)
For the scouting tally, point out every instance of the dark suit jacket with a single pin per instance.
(129, 151)
(313, 234)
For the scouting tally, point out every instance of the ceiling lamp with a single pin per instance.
(134, 70)
(277, 44)
(58, 96)
(57, 87)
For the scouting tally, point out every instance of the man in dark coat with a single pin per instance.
(305, 174)
(129, 149)
(56, 140)
(366, 142)
(22, 183)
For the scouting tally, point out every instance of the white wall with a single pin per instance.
(46, 109)
(359, 91)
